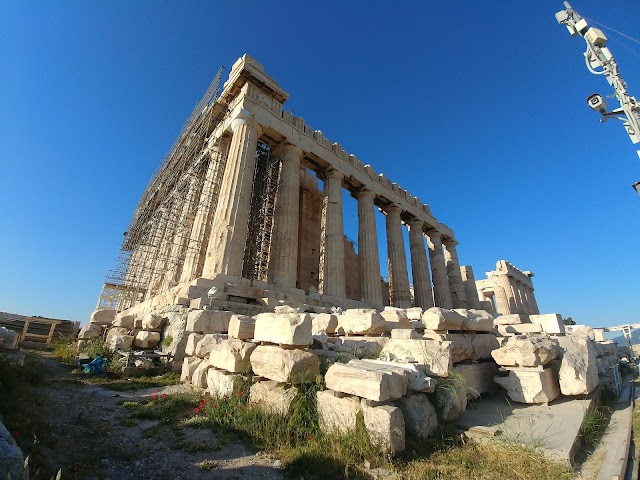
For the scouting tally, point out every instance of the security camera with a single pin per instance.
(597, 103)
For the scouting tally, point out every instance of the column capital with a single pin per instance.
(416, 223)
(333, 173)
(450, 242)
(284, 151)
(364, 193)
(435, 237)
(393, 209)
(245, 117)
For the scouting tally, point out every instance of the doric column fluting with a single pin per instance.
(456, 286)
(285, 238)
(368, 256)
(332, 281)
(422, 290)
(203, 216)
(225, 251)
(441, 292)
(532, 302)
(503, 293)
(515, 295)
(398, 275)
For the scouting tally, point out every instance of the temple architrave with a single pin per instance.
(237, 205)
(507, 290)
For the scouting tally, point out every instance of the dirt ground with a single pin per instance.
(88, 434)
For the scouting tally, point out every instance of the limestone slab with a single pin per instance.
(578, 368)
(414, 313)
(207, 343)
(405, 334)
(436, 318)
(525, 352)
(272, 396)
(512, 319)
(126, 321)
(192, 341)
(434, 355)
(477, 320)
(360, 347)
(519, 329)
(419, 414)
(151, 321)
(417, 381)
(284, 365)
(242, 327)
(478, 377)
(284, 328)
(90, 331)
(361, 321)
(324, 323)
(451, 399)
(189, 365)
(395, 319)
(531, 387)
(385, 426)
(103, 317)
(550, 322)
(146, 340)
(373, 384)
(208, 321)
(199, 375)
(232, 355)
(120, 342)
(221, 383)
(337, 411)
(483, 344)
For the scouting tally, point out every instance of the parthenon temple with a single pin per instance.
(235, 206)
(507, 290)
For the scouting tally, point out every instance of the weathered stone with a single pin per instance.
(478, 377)
(477, 320)
(272, 396)
(126, 321)
(285, 329)
(90, 331)
(199, 375)
(221, 383)
(241, 327)
(337, 411)
(282, 365)
(414, 313)
(420, 416)
(360, 321)
(578, 368)
(385, 426)
(523, 328)
(395, 319)
(8, 338)
(522, 386)
(451, 399)
(120, 342)
(207, 344)
(11, 458)
(360, 347)
(461, 347)
(192, 341)
(115, 332)
(417, 381)
(434, 355)
(146, 340)
(189, 365)
(550, 322)
(437, 318)
(286, 309)
(324, 323)
(373, 384)
(483, 344)
(403, 333)
(152, 321)
(525, 352)
(512, 319)
(208, 321)
(232, 355)
(103, 317)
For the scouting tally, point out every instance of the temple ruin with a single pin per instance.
(235, 205)
(507, 290)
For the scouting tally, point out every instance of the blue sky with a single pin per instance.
(478, 108)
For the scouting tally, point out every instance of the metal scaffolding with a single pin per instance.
(159, 235)
(263, 199)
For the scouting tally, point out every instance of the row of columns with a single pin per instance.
(513, 296)
(228, 227)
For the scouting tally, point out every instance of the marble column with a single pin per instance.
(422, 291)
(332, 281)
(505, 304)
(458, 296)
(204, 215)
(518, 307)
(523, 298)
(285, 237)
(532, 302)
(181, 235)
(399, 291)
(469, 283)
(368, 256)
(441, 292)
(225, 251)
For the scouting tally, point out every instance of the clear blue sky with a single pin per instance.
(478, 108)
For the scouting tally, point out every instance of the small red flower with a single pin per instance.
(206, 400)
(201, 404)
(155, 397)
(215, 405)
(309, 437)
(196, 409)
(240, 394)
(164, 395)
